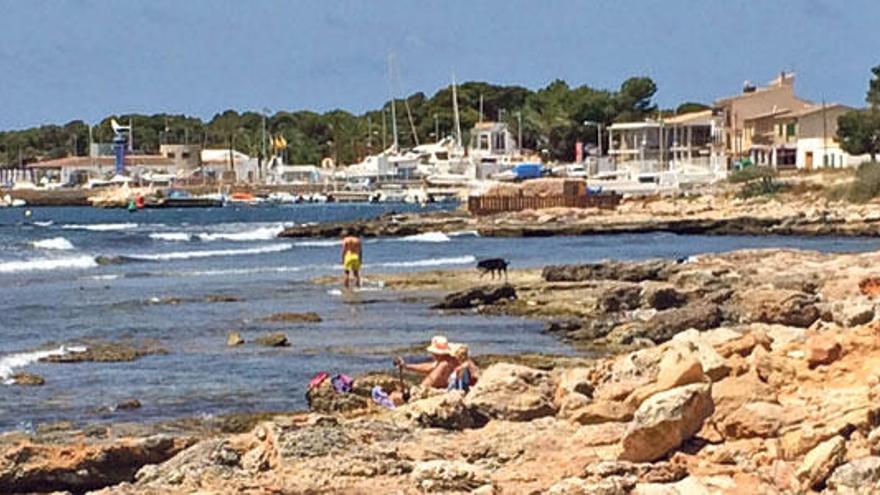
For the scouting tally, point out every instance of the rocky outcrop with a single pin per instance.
(665, 420)
(448, 476)
(862, 473)
(234, 339)
(785, 307)
(27, 379)
(29, 467)
(273, 339)
(512, 392)
(308, 317)
(477, 296)
(106, 352)
(447, 411)
(610, 270)
(821, 461)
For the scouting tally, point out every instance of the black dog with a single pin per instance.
(493, 266)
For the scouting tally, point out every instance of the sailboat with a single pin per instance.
(449, 164)
(390, 164)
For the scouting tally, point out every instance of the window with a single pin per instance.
(790, 129)
(484, 142)
(170, 154)
(185, 155)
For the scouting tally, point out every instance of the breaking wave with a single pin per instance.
(427, 237)
(185, 255)
(100, 227)
(324, 243)
(453, 260)
(74, 262)
(260, 234)
(171, 236)
(9, 363)
(57, 243)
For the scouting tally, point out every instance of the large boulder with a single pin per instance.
(602, 411)
(446, 411)
(273, 339)
(821, 461)
(477, 296)
(665, 324)
(665, 420)
(512, 392)
(785, 307)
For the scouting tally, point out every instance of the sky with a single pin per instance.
(62, 60)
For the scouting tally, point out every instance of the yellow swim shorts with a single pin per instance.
(352, 262)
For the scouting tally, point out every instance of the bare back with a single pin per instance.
(351, 244)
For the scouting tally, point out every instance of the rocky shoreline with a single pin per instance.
(752, 371)
(805, 215)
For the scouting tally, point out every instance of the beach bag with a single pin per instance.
(342, 384)
(380, 397)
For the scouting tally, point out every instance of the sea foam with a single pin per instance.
(427, 237)
(73, 262)
(56, 243)
(100, 227)
(452, 260)
(9, 363)
(185, 255)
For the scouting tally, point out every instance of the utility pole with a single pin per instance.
(825, 160)
(481, 108)
(436, 129)
(519, 130)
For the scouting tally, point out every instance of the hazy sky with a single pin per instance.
(83, 59)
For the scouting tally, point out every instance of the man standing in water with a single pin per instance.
(352, 256)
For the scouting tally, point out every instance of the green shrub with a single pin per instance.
(864, 187)
(756, 181)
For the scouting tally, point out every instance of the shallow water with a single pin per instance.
(54, 293)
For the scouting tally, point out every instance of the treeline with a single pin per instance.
(552, 121)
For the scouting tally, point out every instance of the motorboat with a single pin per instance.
(175, 198)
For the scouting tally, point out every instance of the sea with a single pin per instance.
(55, 296)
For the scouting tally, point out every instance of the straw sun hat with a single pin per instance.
(440, 345)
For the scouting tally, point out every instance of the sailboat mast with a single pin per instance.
(395, 144)
(455, 112)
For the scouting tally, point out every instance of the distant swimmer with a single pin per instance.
(352, 257)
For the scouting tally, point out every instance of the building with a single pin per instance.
(754, 103)
(691, 139)
(805, 139)
(493, 148)
(227, 165)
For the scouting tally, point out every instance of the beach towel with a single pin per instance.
(318, 379)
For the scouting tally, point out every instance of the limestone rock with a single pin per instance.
(851, 314)
(665, 420)
(620, 297)
(477, 296)
(445, 411)
(234, 339)
(611, 270)
(786, 307)
(692, 341)
(574, 390)
(823, 350)
(308, 317)
(512, 392)
(753, 419)
(27, 379)
(602, 412)
(613, 485)
(665, 324)
(273, 339)
(448, 476)
(660, 297)
(858, 473)
(821, 461)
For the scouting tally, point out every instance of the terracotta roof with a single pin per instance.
(817, 108)
(772, 113)
(104, 161)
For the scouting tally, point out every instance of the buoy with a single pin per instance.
(132, 207)
(139, 202)
(28, 213)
